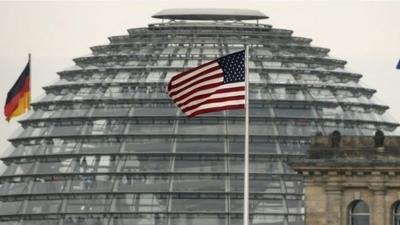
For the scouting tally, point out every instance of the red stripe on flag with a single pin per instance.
(214, 100)
(219, 91)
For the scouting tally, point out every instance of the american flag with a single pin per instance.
(214, 86)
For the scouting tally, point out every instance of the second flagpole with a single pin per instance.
(246, 142)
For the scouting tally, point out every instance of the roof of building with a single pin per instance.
(210, 14)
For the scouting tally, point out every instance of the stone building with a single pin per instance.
(351, 183)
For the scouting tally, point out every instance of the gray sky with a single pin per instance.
(366, 34)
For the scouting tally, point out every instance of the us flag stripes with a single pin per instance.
(214, 86)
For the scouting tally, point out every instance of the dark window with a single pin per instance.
(359, 213)
(396, 213)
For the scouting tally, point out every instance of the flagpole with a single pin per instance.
(246, 142)
(30, 81)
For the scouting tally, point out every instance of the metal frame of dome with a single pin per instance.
(210, 14)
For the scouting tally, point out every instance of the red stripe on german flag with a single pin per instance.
(19, 96)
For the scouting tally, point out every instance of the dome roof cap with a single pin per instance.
(210, 14)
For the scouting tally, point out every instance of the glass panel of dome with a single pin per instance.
(177, 63)
(122, 77)
(41, 186)
(168, 51)
(99, 147)
(141, 202)
(60, 146)
(79, 219)
(71, 113)
(63, 130)
(14, 188)
(34, 132)
(294, 186)
(194, 146)
(169, 75)
(9, 222)
(268, 219)
(148, 145)
(17, 169)
(292, 128)
(105, 127)
(143, 183)
(293, 147)
(236, 48)
(92, 183)
(294, 112)
(259, 185)
(267, 206)
(146, 164)
(90, 164)
(236, 166)
(254, 77)
(162, 62)
(308, 78)
(195, 51)
(154, 76)
(188, 129)
(192, 62)
(265, 52)
(64, 166)
(43, 206)
(330, 111)
(271, 64)
(182, 51)
(322, 94)
(107, 110)
(98, 204)
(294, 206)
(198, 205)
(199, 183)
(198, 219)
(236, 128)
(149, 129)
(295, 220)
(7, 208)
(211, 51)
(267, 147)
(199, 165)
(131, 63)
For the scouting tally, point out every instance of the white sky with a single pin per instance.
(366, 34)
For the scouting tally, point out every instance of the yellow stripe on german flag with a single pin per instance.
(19, 96)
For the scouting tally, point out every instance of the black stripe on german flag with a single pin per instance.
(18, 98)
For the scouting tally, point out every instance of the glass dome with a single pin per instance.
(106, 145)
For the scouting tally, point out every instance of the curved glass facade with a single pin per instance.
(106, 145)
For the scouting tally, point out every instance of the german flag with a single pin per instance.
(19, 96)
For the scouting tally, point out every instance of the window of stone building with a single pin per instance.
(359, 213)
(396, 213)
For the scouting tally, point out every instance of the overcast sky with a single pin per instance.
(365, 34)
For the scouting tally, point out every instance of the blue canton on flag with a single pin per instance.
(398, 65)
(233, 67)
